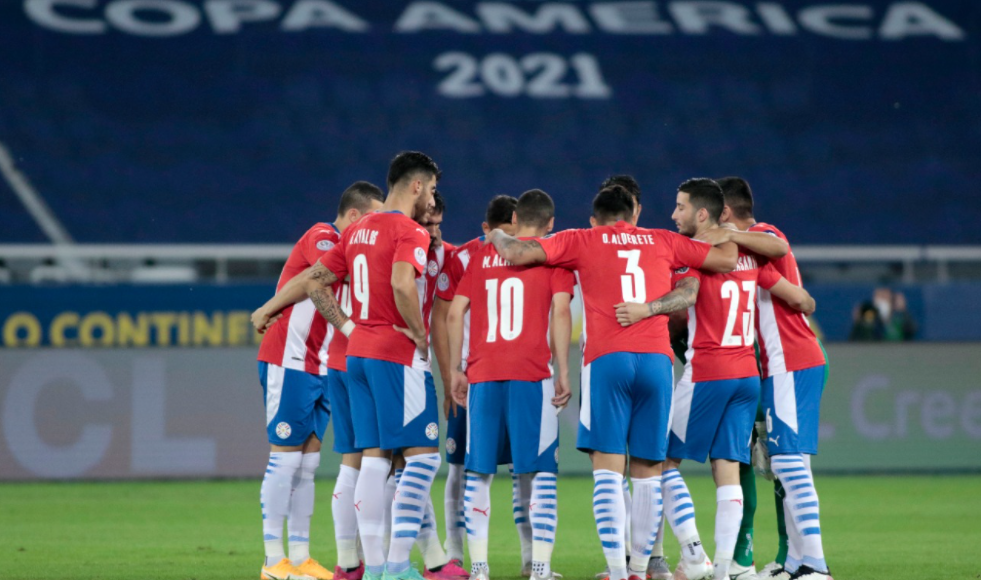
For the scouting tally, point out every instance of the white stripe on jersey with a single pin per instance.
(770, 334)
(295, 353)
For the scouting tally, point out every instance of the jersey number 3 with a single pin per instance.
(633, 283)
(511, 317)
(730, 291)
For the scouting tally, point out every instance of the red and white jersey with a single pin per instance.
(434, 268)
(622, 263)
(299, 339)
(787, 342)
(367, 252)
(337, 349)
(721, 324)
(509, 316)
(449, 279)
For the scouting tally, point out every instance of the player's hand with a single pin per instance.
(262, 320)
(631, 313)
(449, 405)
(562, 392)
(489, 238)
(461, 388)
(422, 344)
(715, 236)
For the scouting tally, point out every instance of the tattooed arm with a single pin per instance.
(684, 295)
(518, 252)
(314, 282)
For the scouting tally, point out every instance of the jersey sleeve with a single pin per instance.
(685, 272)
(449, 278)
(315, 242)
(562, 249)
(335, 260)
(410, 246)
(563, 281)
(465, 286)
(686, 251)
(768, 276)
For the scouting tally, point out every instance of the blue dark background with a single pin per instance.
(249, 137)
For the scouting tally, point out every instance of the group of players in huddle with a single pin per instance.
(362, 303)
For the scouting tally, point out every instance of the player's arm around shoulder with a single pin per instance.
(762, 243)
(518, 252)
(296, 289)
(795, 296)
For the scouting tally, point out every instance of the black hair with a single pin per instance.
(439, 204)
(613, 203)
(739, 197)
(408, 163)
(535, 208)
(358, 196)
(499, 210)
(704, 193)
(627, 182)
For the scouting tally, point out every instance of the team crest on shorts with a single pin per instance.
(421, 256)
(433, 268)
(283, 430)
(432, 431)
(325, 245)
(443, 283)
(450, 445)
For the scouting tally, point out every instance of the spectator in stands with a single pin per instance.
(900, 325)
(885, 317)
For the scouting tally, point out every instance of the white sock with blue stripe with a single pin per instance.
(433, 555)
(369, 504)
(680, 513)
(520, 500)
(409, 508)
(544, 520)
(301, 508)
(647, 509)
(728, 516)
(611, 515)
(456, 526)
(476, 500)
(794, 472)
(274, 499)
(345, 517)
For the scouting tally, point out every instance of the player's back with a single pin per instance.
(299, 339)
(787, 342)
(509, 317)
(622, 263)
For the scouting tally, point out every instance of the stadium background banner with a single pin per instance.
(241, 120)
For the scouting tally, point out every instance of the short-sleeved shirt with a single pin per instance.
(434, 268)
(367, 252)
(299, 339)
(722, 321)
(509, 315)
(787, 342)
(622, 263)
(449, 279)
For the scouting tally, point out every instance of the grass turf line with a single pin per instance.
(893, 528)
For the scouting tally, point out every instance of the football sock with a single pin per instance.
(369, 505)
(274, 499)
(728, 513)
(409, 508)
(477, 505)
(802, 505)
(611, 516)
(681, 515)
(743, 554)
(301, 508)
(782, 545)
(657, 550)
(521, 486)
(627, 506)
(544, 520)
(793, 542)
(433, 555)
(647, 508)
(456, 527)
(345, 517)
(391, 484)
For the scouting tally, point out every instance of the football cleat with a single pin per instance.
(282, 570)
(526, 570)
(549, 576)
(696, 571)
(449, 571)
(808, 573)
(342, 574)
(773, 571)
(312, 568)
(410, 573)
(482, 575)
(737, 572)
(658, 569)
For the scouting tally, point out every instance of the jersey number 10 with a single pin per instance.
(730, 291)
(511, 320)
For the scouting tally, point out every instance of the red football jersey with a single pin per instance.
(299, 339)
(449, 279)
(721, 324)
(787, 342)
(434, 268)
(622, 263)
(509, 315)
(367, 251)
(337, 349)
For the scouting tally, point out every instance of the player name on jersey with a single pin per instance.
(495, 261)
(625, 239)
(364, 237)
(745, 263)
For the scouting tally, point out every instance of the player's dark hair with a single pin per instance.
(359, 196)
(499, 210)
(627, 182)
(739, 197)
(408, 163)
(535, 208)
(705, 193)
(612, 204)
(439, 204)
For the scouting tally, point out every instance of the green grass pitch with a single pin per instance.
(889, 528)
